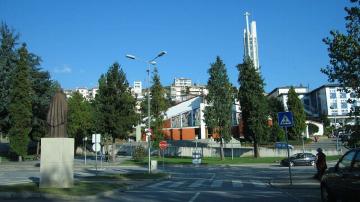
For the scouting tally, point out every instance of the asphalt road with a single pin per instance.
(205, 183)
(224, 183)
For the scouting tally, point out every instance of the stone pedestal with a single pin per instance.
(57, 163)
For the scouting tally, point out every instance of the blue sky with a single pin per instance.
(79, 40)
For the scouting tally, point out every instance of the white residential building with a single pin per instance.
(137, 90)
(182, 89)
(250, 42)
(84, 92)
(281, 93)
(331, 100)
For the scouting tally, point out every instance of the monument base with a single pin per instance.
(57, 163)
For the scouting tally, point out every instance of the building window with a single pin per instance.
(333, 105)
(343, 95)
(344, 104)
(333, 95)
(352, 95)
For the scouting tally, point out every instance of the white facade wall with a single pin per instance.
(282, 94)
(84, 92)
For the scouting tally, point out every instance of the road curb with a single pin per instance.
(295, 185)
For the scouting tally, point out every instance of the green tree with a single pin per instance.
(276, 132)
(253, 104)
(344, 51)
(297, 108)
(20, 108)
(313, 128)
(8, 58)
(158, 108)
(41, 97)
(80, 118)
(325, 120)
(115, 105)
(220, 100)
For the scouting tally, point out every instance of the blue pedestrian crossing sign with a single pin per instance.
(285, 119)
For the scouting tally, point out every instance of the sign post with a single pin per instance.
(96, 146)
(163, 145)
(285, 119)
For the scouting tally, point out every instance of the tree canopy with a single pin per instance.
(80, 118)
(344, 51)
(218, 113)
(8, 58)
(20, 108)
(297, 108)
(253, 104)
(158, 107)
(116, 113)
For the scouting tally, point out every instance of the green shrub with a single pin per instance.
(139, 153)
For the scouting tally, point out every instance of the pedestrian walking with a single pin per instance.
(320, 163)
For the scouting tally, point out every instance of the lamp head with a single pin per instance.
(162, 53)
(130, 56)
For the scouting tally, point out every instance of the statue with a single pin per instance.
(57, 115)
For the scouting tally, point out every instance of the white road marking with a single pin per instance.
(177, 184)
(258, 184)
(197, 183)
(217, 183)
(158, 184)
(194, 197)
(237, 183)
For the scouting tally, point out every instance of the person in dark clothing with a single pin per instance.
(320, 163)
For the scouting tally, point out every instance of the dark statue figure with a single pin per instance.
(57, 115)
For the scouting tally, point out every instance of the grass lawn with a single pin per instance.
(88, 186)
(207, 160)
(215, 160)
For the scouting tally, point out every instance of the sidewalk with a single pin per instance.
(131, 184)
(81, 171)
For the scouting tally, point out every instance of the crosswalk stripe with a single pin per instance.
(197, 183)
(177, 184)
(258, 184)
(237, 183)
(217, 183)
(159, 184)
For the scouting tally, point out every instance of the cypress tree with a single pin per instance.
(20, 108)
(115, 105)
(253, 104)
(220, 99)
(80, 118)
(158, 106)
(8, 58)
(297, 108)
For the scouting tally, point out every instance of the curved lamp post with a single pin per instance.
(149, 63)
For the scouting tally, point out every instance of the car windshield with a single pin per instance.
(296, 155)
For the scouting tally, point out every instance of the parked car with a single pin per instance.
(282, 145)
(342, 182)
(299, 159)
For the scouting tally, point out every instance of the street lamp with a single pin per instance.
(337, 136)
(150, 62)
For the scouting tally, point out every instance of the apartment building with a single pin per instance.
(183, 89)
(329, 99)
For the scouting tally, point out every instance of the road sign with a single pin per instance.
(163, 145)
(96, 147)
(285, 119)
(96, 138)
